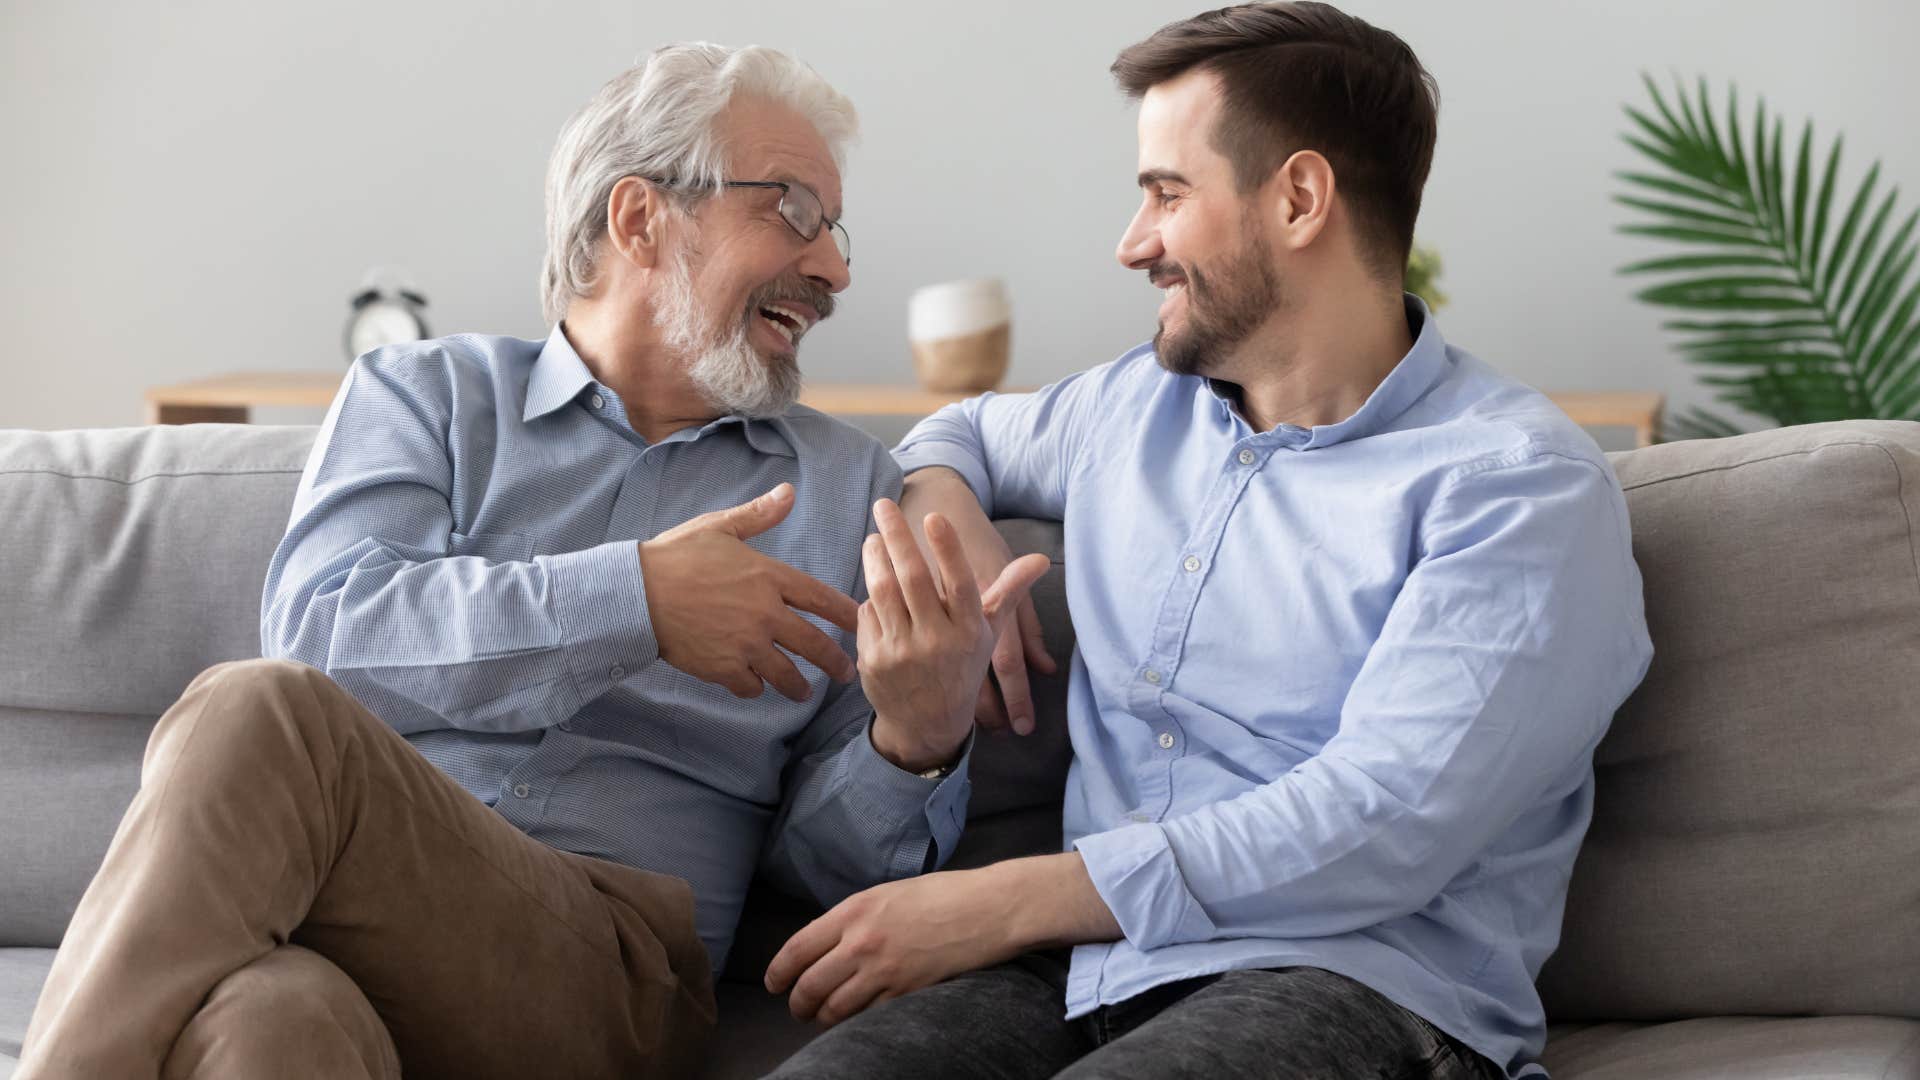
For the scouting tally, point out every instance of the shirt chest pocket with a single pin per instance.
(492, 546)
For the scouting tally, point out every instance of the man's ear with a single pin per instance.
(636, 221)
(1303, 190)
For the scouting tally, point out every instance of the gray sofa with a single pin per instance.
(1747, 903)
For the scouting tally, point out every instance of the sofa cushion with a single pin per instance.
(22, 973)
(1829, 1047)
(1755, 846)
(65, 779)
(135, 557)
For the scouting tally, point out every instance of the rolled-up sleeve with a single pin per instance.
(1016, 451)
(429, 628)
(1512, 642)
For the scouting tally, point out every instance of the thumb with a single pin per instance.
(999, 601)
(758, 515)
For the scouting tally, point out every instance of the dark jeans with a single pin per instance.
(1004, 1023)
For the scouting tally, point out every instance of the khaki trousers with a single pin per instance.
(295, 891)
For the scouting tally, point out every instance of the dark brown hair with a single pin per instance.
(1308, 76)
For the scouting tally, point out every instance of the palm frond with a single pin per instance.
(1795, 323)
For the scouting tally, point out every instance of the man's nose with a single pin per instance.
(823, 264)
(1139, 246)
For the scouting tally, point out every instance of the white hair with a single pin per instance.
(659, 119)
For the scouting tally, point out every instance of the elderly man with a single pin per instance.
(1352, 612)
(503, 823)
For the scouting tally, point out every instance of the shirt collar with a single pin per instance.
(769, 436)
(1416, 373)
(559, 375)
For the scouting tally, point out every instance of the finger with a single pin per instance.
(817, 985)
(1033, 638)
(802, 950)
(868, 637)
(774, 666)
(756, 516)
(1012, 584)
(810, 643)
(1010, 668)
(963, 595)
(743, 683)
(916, 581)
(852, 997)
(883, 590)
(808, 593)
(987, 710)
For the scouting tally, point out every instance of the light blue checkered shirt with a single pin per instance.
(462, 557)
(1336, 690)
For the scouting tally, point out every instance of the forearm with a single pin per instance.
(940, 490)
(1054, 902)
(460, 642)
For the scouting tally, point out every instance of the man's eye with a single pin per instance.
(1166, 198)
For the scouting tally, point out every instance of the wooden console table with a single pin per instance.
(229, 399)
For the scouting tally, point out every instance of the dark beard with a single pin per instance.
(1221, 313)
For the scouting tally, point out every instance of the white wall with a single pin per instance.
(196, 187)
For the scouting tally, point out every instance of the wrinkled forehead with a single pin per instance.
(767, 140)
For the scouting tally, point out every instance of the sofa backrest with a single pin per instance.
(130, 560)
(1755, 846)
(1756, 841)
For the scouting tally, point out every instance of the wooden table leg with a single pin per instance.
(196, 414)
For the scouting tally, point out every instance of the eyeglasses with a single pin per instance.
(799, 207)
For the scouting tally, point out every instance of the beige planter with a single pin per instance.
(961, 333)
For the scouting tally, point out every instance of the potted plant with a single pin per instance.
(1800, 306)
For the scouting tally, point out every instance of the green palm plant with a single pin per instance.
(1802, 313)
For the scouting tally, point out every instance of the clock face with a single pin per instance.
(382, 323)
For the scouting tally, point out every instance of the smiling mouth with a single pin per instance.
(790, 324)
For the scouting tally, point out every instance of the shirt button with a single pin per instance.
(1152, 676)
(616, 673)
(520, 790)
(599, 402)
(1166, 740)
(566, 725)
(1246, 457)
(1192, 563)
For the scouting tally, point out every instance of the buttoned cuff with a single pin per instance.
(920, 814)
(929, 451)
(600, 600)
(1135, 872)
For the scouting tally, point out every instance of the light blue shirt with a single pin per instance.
(463, 558)
(1336, 690)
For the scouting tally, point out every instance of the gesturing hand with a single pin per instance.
(925, 646)
(1007, 699)
(1009, 704)
(721, 610)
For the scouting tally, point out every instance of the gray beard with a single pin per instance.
(728, 372)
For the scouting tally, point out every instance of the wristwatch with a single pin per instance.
(938, 772)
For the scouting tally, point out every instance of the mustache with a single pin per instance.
(793, 288)
(1162, 274)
